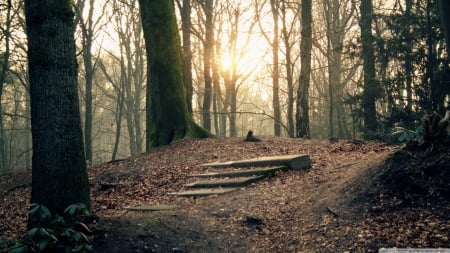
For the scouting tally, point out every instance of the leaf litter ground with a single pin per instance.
(339, 205)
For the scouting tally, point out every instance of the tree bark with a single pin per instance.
(289, 73)
(208, 50)
(187, 52)
(275, 6)
(408, 57)
(3, 72)
(171, 119)
(132, 75)
(87, 39)
(59, 175)
(302, 115)
(138, 74)
(370, 84)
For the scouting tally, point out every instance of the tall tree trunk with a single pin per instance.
(220, 115)
(302, 115)
(408, 57)
(233, 108)
(120, 91)
(59, 176)
(230, 75)
(444, 7)
(433, 104)
(289, 74)
(230, 105)
(28, 139)
(87, 37)
(118, 115)
(171, 119)
(3, 73)
(370, 92)
(217, 96)
(337, 22)
(208, 50)
(331, 98)
(275, 6)
(138, 80)
(129, 105)
(187, 52)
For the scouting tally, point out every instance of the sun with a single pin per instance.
(226, 62)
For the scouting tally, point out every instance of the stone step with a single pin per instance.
(292, 161)
(228, 182)
(241, 173)
(204, 192)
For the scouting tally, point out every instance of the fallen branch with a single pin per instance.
(334, 213)
(24, 185)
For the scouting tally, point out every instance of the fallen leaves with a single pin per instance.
(289, 212)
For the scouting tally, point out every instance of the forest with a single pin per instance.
(109, 104)
(243, 61)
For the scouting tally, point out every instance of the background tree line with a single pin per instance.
(246, 67)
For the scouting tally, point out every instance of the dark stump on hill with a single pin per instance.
(251, 138)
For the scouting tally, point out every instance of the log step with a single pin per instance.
(242, 173)
(228, 182)
(292, 161)
(204, 192)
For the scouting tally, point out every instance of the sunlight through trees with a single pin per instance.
(245, 67)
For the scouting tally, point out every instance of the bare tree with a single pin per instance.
(4, 64)
(89, 27)
(113, 77)
(132, 70)
(15, 133)
(207, 7)
(302, 116)
(231, 75)
(289, 35)
(338, 16)
(275, 8)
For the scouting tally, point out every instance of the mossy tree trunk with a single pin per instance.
(59, 167)
(170, 119)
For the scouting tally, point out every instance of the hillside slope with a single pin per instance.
(339, 205)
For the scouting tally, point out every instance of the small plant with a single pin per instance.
(407, 135)
(55, 233)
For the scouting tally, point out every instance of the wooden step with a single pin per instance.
(204, 192)
(150, 208)
(241, 173)
(228, 182)
(292, 161)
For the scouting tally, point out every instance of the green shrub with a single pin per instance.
(406, 135)
(53, 233)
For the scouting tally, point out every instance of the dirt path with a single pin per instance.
(281, 214)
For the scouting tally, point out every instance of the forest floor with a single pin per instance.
(339, 205)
